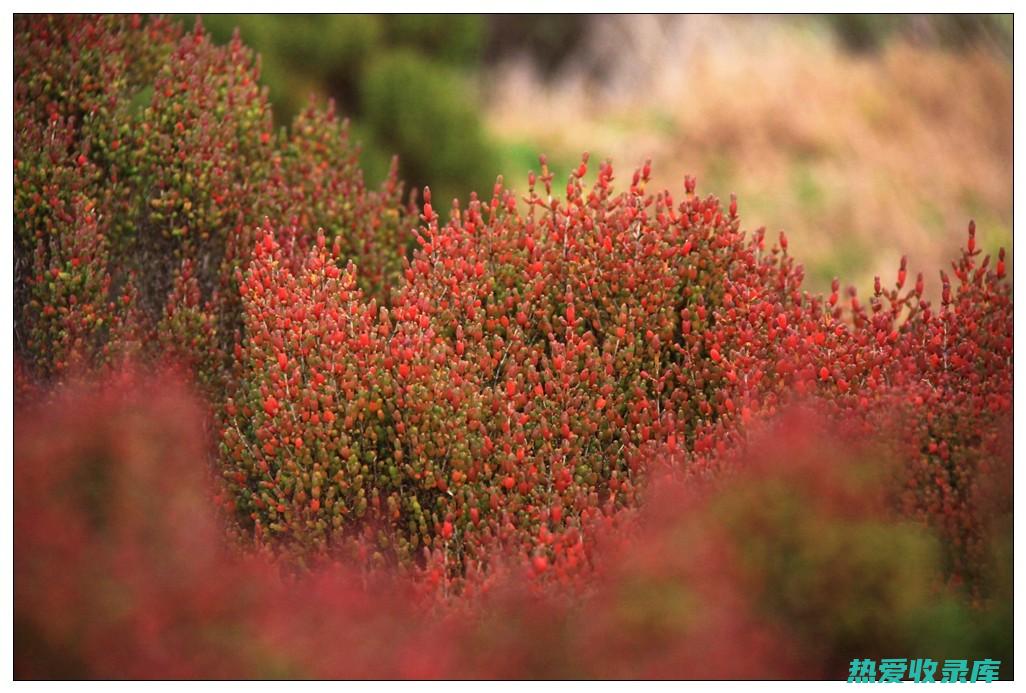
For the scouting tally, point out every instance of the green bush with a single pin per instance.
(413, 69)
(421, 110)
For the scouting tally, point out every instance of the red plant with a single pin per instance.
(488, 414)
(305, 433)
(530, 364)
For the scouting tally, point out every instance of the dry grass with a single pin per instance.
(860, 158)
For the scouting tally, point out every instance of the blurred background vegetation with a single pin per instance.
(864, 136)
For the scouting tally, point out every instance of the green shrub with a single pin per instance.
(424, 111)
(405, 79)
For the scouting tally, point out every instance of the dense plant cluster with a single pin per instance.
(478, 422)
(530, 363)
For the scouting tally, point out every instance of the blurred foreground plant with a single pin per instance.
(786, 568)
